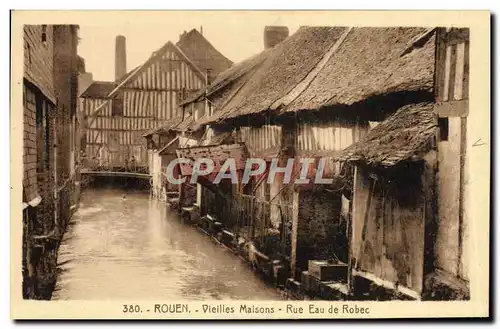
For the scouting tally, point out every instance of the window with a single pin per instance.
(443, 129)
(117, 107)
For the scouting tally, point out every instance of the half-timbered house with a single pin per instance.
(410, 226)
(311, 96)
(161, 144)
(118, 113)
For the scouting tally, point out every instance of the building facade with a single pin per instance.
(50, 173)
(317, 109)
(118, 113)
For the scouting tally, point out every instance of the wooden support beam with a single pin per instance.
(295, 223)
(458, 108)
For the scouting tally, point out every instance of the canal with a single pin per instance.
(121, 244)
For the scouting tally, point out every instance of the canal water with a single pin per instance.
(123, 245)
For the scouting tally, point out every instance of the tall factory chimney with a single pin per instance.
(274, 35)
(120, 57)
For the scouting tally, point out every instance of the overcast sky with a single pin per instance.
(237, 35)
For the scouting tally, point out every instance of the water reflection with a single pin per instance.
(122, 244)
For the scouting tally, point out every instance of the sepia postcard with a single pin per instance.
(250, 164)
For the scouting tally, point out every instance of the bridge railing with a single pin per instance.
(96, 164)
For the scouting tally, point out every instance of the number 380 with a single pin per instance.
(131, 309)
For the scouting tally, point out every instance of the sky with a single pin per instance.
(236, 36)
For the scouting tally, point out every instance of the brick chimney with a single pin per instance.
(274, 35)
(120, 57)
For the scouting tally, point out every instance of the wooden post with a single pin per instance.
(350, 226)
(366, 217)
(295, 223)
(431, 215)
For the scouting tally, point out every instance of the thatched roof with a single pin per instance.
(222, 138)
(286, 65)
(99, 89)
(406, 135)
(369, 62)
(173, 124)
(204, 55)
(231, 78)
(320, 67)
(165, 127)
(186, 124)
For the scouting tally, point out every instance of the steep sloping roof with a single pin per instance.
(129, 77)
(370, 61)
(192, 48)
(126, 75)
(203, 54)
(185, 124)
(406, 135)
(99, 89)
(165, 126)
(236, 75)
(287, 64)
(325, 66)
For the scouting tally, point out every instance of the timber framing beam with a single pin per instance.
(448, 109)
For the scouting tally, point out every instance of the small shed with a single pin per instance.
(394, 204)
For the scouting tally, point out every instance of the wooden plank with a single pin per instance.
(459, 108)
(440, 63)
(447, 72)
(366, 217)
(463, 150)
(387, 284)
(459, 71)
(351, 228)
(466, 71)
(295, 223)
(453, 65)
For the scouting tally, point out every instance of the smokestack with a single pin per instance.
(274, 35)
(120, 57)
